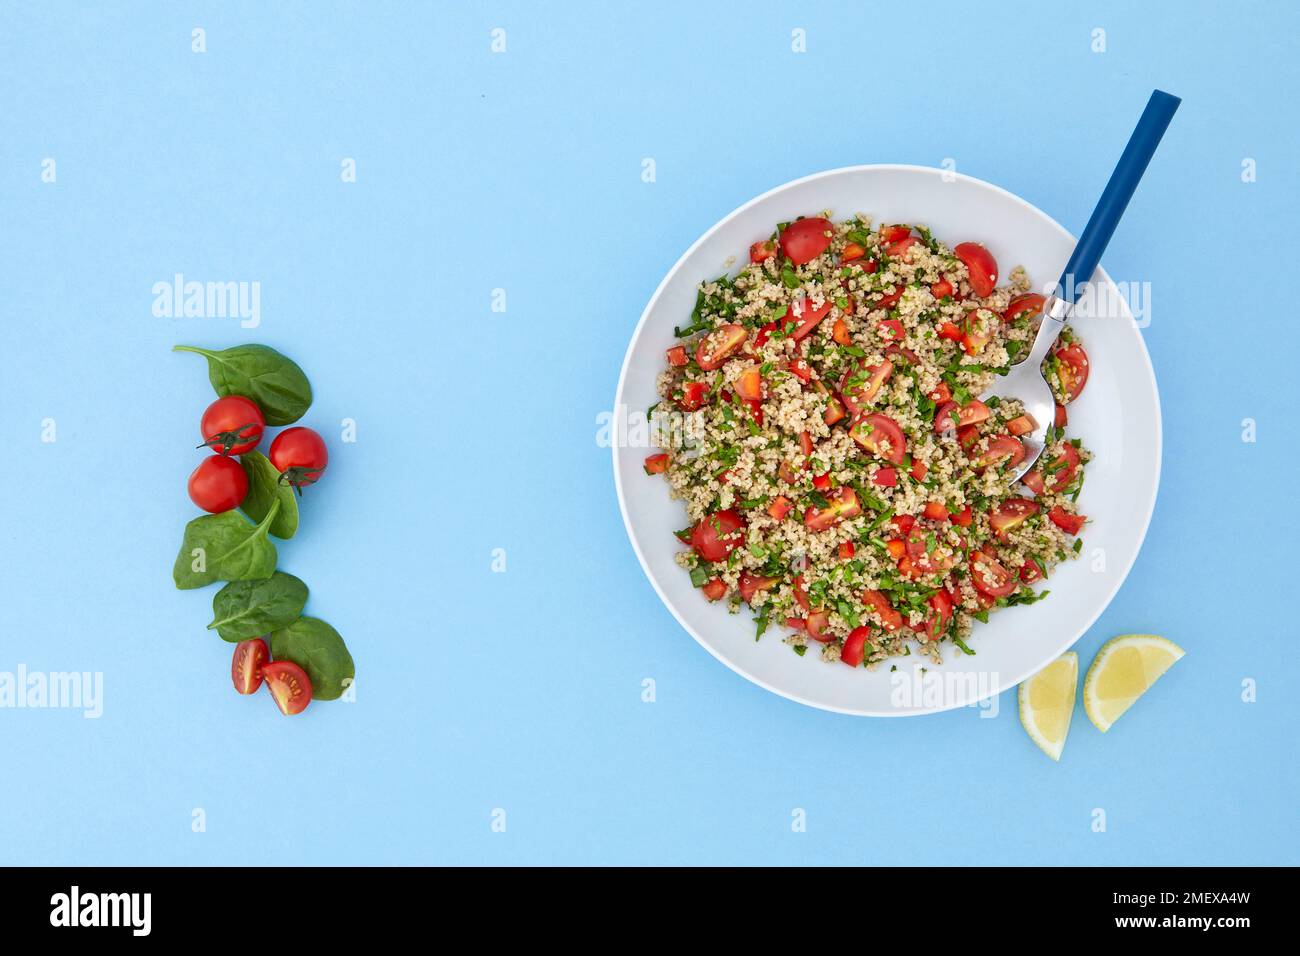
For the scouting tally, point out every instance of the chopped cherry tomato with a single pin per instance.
(977, 330)
(950, 331)
(714, 590)
(218, 484)
(967, 436)
(919, 471)
(809, 317)
(693, 395)
(834, 407)
(903, 523)
(716, 347)
(1067, 522)
(885, 478)
(942, 393)
(677, 356)
(860, 384)
(890, 619)
(1072, 370)
(801, 370)
(936, 623)
(935, 511)
(656, 464)
(852, 651)
(819, 623)
(963, 518)
(896, 547)
(763, 334)
(762, 251)
(806, 239)
(941, 289)
(989, 576)
(889, 299)
(880, 435)
(981, 266)
(751, 584)
(779, 507)
(1029, 304)
(1011, 514)
(846, 550)
(894, 233)
(798, 623)
(822, 482)
(842, 504)
(289, 685)
(1060, 471)
(840, 332)
(1004, 451)
(718, 534)
(852, 251)
(901, 248)
(232, 425)
(806, 443)
(1021, 425)
(800, 595)
(787, 473)
(246, 665)
(1031, 571)
(1062, 417)
(749, 386)
(891, 330)
(951, 416)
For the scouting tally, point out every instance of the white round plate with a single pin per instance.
(1118, 418)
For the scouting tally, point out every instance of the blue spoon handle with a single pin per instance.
(1114, 200)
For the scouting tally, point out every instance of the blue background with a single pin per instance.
(476, 430)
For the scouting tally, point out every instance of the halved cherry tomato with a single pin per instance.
(1021, 425)
(716, 347)
(840, 332)
(901, 248)
(289, 685)
(885, 478)
(715, 536)
(880, 435)
(834, 407)
(218, 484)
(843, 503)
(963, 518)
(860, 383)
(889, 299)
(981, 266)
(936, 623)
(715, 589)
(232, 425)
(1031, 571)
(977, 330)
(677, 356)
(853, 650)
(922, 560)
(1067, 522)
(806, 239)
(751, 584)
(894, 233)
(989, 576)
(950, 331)
(941, 289)
(693, 395)
(891, 330)
(967, 436)
(1072, 370)
(762, 251)
(780, 507)
(247, 663)
(847, 550)
(1011, 514)
(935, 511)
(819, 623)
(890, 619)
(1028, 304)
(656, 464)
(942, 393)
(951, 416)
(868, 266)
(1059, 471)
(1003, 451)
(851, 252)
(809, 317)
(749, 386)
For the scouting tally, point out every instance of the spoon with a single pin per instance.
(1025, 381)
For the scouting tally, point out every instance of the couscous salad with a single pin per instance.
(841, 478)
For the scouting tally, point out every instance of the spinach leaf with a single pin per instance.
(224, 547)
(244, 609)
(319, 650)
(274, 382)
(264, 489)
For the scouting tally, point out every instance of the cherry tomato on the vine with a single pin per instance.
(299, 454)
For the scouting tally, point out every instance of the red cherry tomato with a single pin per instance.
(246, 665)
(895, 233)
(693, 395)
(1029, 304)
(852, 252)
(1010, 514)
(1072, 370)
(806, 239)
(1057, 472)
(818, 624)
(860, 384)
(717, 535)
(890, 618)
(941, 289)
(950, 415)
(885, 478)
(808, 317)
(854, 645)
(656, 464)
(891, 330)
(780, 507)
(232, 425)
(715, 590)
(990, 577)
(677, 356)
(880, 435)
(716, 347)
(842, 503)
(751, 584)
(1003, 451)
(935, 511)
(289, 686)
(1070, 524)
(299, 454)
(889, 299)
(936, 624)
(218, 484)
(762, 251)
(981, 266)
(1031, 571)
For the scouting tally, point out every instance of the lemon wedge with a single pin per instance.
(1122, 671)
(1047, 703)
